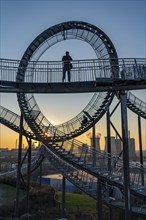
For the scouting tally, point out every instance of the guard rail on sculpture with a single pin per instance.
(82, 71)
(136, 105)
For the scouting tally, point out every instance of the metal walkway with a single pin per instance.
(136, 105)
(86, 76)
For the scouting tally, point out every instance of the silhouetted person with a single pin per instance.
(84, 121)
(67, 66)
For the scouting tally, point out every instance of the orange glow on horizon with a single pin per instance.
(10, 139)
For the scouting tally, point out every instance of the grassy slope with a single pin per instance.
(78, 202)
(7, 194)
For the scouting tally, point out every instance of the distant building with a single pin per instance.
(132, 153)
(116, 147)
(97, 142)
(4, 152)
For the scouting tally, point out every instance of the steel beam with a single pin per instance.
(16, 212)
(140, 149)
(63, 197)
(28, 175)
(99, 199)
(41, 175)
(94, 146)
(123, 97)
(108, 139)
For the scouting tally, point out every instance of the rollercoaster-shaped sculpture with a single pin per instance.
(93, 172)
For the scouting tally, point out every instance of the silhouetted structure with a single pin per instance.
(84, 121)
(67, 65)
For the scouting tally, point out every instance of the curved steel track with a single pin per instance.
(103, 48)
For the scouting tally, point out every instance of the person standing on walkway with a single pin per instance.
(67, 65)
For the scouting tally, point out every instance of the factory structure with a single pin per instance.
(116, 145)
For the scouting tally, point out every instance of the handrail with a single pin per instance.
(136, 105)
(136, 101)
(83, 70)
(12, 120)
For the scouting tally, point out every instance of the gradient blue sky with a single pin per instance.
(21, 21)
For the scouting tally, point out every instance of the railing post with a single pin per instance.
(123, 71)
(136, 68)
(50, 75)
(94, 67)
(34, 72)
(78, 72)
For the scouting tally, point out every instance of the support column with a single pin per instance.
(109, 155)
(125, 155)
(108, 139)
(16, 214)
(94, 146)
(41, 175)
(140, 149)
(99, 199)
(28, 175)
(63, 198)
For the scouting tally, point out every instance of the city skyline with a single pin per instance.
(116, 19)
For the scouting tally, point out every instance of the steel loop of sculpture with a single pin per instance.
(100, 43)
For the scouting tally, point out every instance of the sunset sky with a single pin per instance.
(21, 21)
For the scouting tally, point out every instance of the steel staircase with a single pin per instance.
(136, 105)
